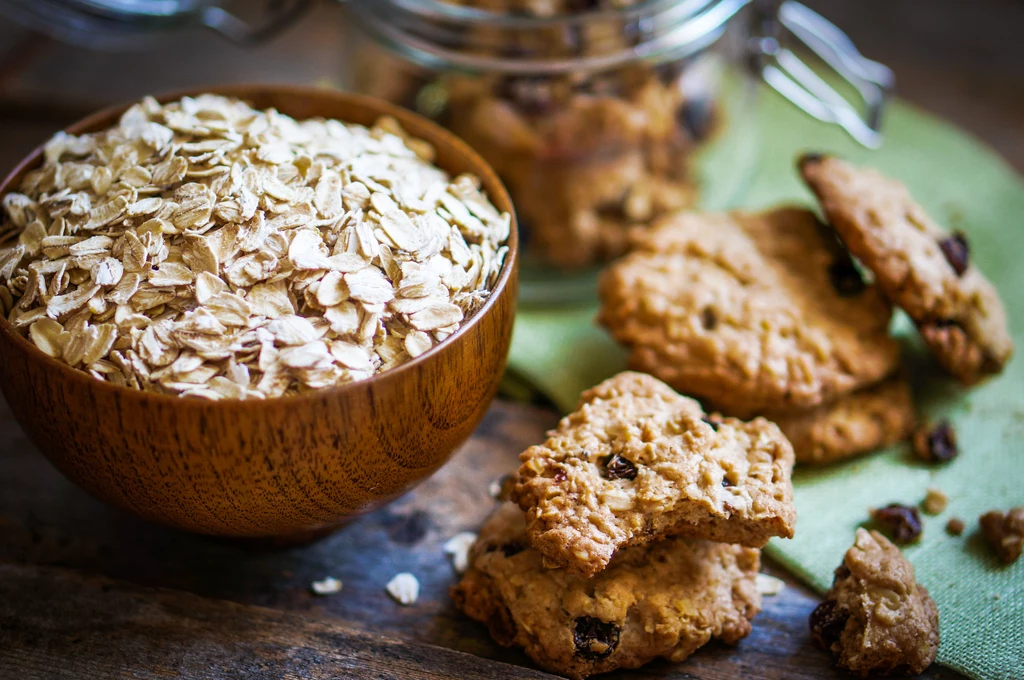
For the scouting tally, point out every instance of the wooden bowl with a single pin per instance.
(280, 467)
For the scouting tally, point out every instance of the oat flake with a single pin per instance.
(206, 249)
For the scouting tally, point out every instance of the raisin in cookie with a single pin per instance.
(637, 461)
(876, 618)
(864, 421)
(750, 311)
(663, 600)
(921, 267)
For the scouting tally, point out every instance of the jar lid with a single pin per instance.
(131, 24)
(444, 9)
(129, 10)
(439, 35)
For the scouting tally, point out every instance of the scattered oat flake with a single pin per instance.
(327, 586)
(769, 585)
(458, 548)
(404, 588)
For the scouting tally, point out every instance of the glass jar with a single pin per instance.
(133, 24)
(601, 115)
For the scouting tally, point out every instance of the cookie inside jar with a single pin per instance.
(597, 114)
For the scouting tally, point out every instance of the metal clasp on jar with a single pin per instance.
(795, 80)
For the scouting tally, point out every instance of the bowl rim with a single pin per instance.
(239, 90)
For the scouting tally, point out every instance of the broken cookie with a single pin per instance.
(876, 618)
(637, 461)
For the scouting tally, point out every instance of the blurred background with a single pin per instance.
(962, 59)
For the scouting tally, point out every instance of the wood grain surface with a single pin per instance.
(48, 522)
(962, 59)
(48, 616)
(272, 467)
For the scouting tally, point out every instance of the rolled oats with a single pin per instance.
(404, 588)
(204, 248)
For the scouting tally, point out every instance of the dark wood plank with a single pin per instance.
(44, 520)
(56, 624)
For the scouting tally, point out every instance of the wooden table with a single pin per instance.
(89, 592)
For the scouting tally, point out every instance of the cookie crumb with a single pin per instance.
(936, 443)
(769, 585)
(935, 501)
(327, 586)
(902, 523)
(955, 526)
(404, 588)
(876, 618)
(1004, 532)
(458, 548)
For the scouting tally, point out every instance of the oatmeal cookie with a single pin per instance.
(876, 618)
(919, 265)
(750, 311)
(867, 420)
(637, 461)
(584, 165)
(662, 600)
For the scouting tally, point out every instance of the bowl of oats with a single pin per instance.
(253, 310)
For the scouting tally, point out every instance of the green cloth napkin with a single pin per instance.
(966, 186)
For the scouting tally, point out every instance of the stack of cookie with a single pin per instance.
(636, 534)
(769, 314)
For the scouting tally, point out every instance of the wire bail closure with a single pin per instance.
(790, 76)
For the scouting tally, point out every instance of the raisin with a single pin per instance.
(617, 467)
(841, 572)
(512, 548)
(530, 94)
(708, 319)
(957, 252)
(846, 278)
(827, 623)
(901, 522)
(810, 159)
(560, 475)
(937, 443)
(715, 421)
(669, 71)
(697, 118)
(726, 482)
(594, 638)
